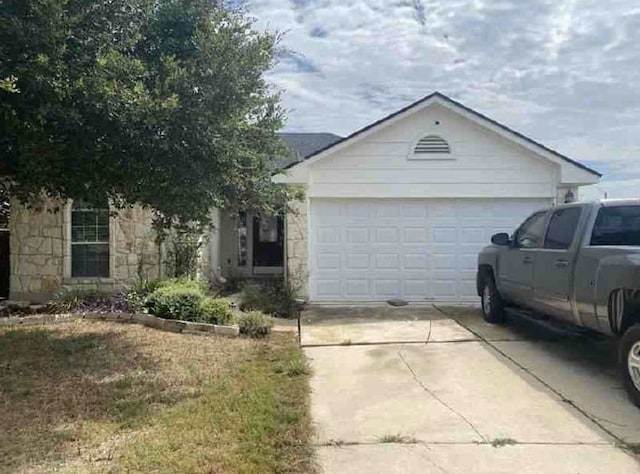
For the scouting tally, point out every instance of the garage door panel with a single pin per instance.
(468, 262)
(386, 261)
(329, 261)
(415, 288)
(357, 287)
(415, 261)
(387, 288)
(416, 249)
(414, 210)
(445, 289)
(329, 288)
(357, 261)
(385, 235)
(417, 234)
(328, 234)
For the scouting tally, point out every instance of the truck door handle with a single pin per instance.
(561, 263)
(527, 260)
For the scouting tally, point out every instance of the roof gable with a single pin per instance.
(455, 106)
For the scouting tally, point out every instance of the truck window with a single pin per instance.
(562, 228)
(529, 234)
(619, 225)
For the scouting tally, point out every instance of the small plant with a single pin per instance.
(255, 324)
(176, 302)
(500, 442)
(634, 448)
(397, 438)
(276, 297)
(216, 311)
(294, 366)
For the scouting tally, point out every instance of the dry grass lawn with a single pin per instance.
(101, 397)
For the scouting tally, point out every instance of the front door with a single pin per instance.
(268, 245)
(554, 264)
(517, 261)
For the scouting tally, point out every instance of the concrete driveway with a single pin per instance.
(426, 389)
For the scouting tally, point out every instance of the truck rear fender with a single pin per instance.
(617, 288)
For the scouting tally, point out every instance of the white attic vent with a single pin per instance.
(431, 144)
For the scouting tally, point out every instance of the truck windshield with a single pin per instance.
(618, 225)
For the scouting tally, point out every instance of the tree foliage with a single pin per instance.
(156, 102)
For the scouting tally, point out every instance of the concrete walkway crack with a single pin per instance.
(593, 418)
(436, 397)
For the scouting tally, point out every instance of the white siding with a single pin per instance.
(481, 164)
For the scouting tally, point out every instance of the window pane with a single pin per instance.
(77, 218)
(103, 217)
(618, 225)
(77, 234)
(530, 233)
(90, 260)
(562, 228)
(90, 233)
(89, 239)
(88, 225)
(103, 233)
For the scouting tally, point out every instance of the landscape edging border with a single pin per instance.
(148, 320)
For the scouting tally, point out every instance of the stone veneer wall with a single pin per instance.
(37, 250)
(297, 246)
(40, 254)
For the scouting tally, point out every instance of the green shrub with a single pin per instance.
(275, 297)
(145, 286)
(176, 302)
(186, 282)
(216, 311)
(137, 294)
(255, 324)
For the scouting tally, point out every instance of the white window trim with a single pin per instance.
(66, 264)
(430, 156)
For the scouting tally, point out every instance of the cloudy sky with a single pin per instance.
(564, 72)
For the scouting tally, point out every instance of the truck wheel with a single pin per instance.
(630, 362)
(492, 306)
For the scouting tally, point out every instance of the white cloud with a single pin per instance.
(564, 72)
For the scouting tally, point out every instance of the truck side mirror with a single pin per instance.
(500, 239)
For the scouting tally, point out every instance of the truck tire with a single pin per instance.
(492, 305)
(630, 362)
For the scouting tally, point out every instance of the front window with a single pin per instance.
(562, 228)
(619, 225)
(529, 234)
(89, 241)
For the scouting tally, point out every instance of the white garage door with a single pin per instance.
(415, 249)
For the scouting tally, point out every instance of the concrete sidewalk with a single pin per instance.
(393, 402)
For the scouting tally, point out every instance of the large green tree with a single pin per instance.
(156, 102)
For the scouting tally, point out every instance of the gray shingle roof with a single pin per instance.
(304, 145)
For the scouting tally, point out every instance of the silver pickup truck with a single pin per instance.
(575, 263)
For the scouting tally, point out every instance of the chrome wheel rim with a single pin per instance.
(486, 300)
(633, 363)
